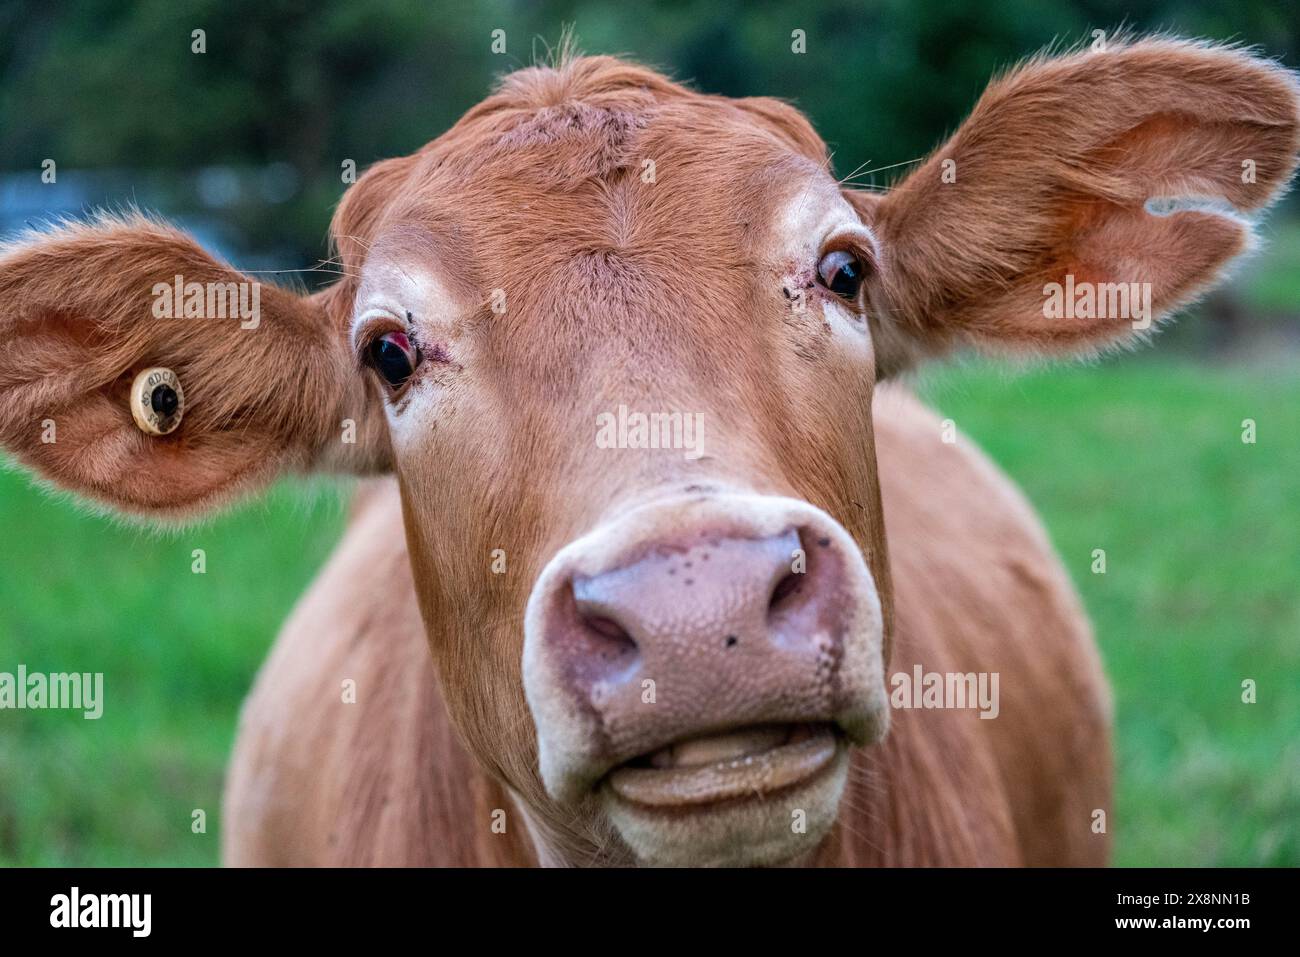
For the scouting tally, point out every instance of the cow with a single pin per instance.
(547, 640)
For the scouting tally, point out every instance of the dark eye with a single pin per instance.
(842, 273)
(394, 357)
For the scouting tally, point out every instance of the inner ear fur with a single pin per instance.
(1053, 174)
(77, 323)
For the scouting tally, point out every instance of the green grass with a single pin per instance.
(1141, 456)
(1145, 459)
(1270, 281)
(178, 651)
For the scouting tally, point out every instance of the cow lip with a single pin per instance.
(754, 762)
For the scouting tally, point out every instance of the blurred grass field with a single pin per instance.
(1140, 455)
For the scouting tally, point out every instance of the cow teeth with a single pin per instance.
(744, 776)
(720, 748)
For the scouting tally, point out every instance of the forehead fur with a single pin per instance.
(586, 124)
(606, 103)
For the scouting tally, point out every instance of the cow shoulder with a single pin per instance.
(979, 588)
(344, 754)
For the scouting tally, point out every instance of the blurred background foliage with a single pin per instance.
(243, 145)
(247, 139)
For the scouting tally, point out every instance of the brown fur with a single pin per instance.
(672, 293)
(262, 403)
(1035, 198)
(318, 782)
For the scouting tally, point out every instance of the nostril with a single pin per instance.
(798, 590)
(616, 637)
(786, 588)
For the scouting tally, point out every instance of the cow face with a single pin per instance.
(617, 341)
(622, 342)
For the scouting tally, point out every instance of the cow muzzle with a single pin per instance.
(701, 667)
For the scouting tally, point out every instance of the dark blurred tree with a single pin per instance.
(97, 83)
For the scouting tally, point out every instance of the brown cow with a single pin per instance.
(664, 655)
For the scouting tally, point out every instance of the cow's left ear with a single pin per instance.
(264, 375)
(1110, 180)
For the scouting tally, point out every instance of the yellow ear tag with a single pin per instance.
(157, 401)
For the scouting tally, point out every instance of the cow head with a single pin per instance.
(617, 340)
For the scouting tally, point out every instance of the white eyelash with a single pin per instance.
(364, 319)
(861, 233)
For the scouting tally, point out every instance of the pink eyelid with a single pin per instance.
(401, 340)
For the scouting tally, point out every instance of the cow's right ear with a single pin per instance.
(268, 382)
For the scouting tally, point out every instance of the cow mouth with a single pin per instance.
(742, 764)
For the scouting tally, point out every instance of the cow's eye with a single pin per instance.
(842, 273)
(394, 357)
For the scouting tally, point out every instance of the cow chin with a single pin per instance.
(737, 830)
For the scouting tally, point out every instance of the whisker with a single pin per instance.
(881, 169)
(861, 837)
(276, 272)
(858, 169)
(365, 244)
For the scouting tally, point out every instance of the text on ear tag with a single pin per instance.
(157, 401)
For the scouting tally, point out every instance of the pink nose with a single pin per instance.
(734, 616)
(699, 632)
